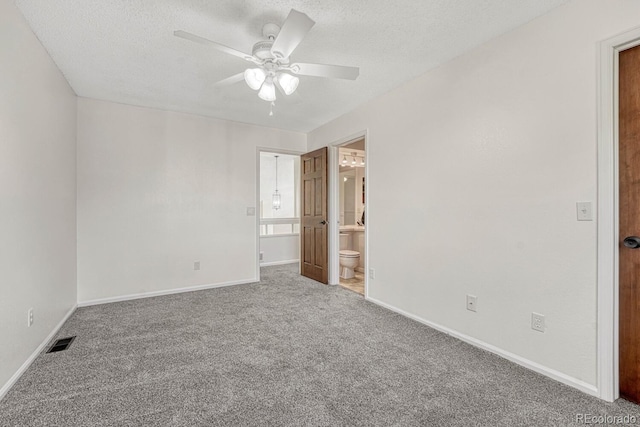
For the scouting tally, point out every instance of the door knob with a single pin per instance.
(632, 242)
(323, 222)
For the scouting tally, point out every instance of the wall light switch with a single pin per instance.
(251, 211)
(585, 211)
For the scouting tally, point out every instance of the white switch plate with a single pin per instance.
(196, 265)
(585, 211)
(251, 211)
(372, 273)
(472, 303)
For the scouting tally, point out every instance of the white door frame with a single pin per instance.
(608, 211)
(257, 208)
(334, 208)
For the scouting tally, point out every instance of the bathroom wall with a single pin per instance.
(347, 206)
(359, 203)
(351, 204)
(159, 190)
(37, 194)
(475, 169)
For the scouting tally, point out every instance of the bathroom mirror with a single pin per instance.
(348, 198)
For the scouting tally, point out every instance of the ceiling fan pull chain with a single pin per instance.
(273, 104)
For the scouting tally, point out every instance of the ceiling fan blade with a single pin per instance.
(230, 80)
(295, 27)
(220, 47)
(324, 70)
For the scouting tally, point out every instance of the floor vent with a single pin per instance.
(61, 344)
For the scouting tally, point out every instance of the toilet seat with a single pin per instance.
(349, 254)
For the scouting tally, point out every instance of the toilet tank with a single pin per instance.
(344, 241)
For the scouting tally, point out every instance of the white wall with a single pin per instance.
(37, 193)
(288, 184)
(280, 249)
(159, 190)
(475, 169)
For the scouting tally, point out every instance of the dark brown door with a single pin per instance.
(313, 222)
(629, 90)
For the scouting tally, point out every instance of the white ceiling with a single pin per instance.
(125, 51)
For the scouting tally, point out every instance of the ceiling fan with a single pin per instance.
(271, 58)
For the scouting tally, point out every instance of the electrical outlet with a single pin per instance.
(537, 322)
(196, 265)
(472, 303)
(372, 273)
(30, 317)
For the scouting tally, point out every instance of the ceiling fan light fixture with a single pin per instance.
(268, 91)
(254, 77)
(271, 59)
(288, 83)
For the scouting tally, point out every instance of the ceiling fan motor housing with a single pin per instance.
(262, 49)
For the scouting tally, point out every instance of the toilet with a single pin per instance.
(349, 260)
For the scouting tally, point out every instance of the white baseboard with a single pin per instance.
(548, 372)
(160, 293)
(5, 388)
(289, 261)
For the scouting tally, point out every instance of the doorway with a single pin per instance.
(352, 148)
(351, 166)
(278, 212)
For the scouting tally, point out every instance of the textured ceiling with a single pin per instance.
(124, 51)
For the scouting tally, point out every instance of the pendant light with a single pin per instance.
(276, 196)
(344, 160)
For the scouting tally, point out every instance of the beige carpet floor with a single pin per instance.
(283, 352)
